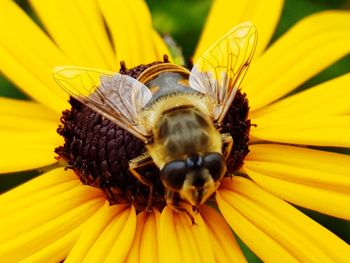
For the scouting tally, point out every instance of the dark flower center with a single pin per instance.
(99, 151)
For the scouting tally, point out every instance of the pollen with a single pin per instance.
(98, 151)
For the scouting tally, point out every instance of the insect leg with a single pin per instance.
(137, 163)
(173, 203)
(227, 143)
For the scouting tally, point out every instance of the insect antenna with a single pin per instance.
(123, 66)
(166, 58)
(190, 63)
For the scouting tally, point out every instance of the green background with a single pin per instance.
(183, 20)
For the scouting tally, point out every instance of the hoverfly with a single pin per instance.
(177, 113)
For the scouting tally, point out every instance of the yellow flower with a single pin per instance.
(55, 216)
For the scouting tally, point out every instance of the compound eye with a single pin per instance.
(215, 164)
(173, 174)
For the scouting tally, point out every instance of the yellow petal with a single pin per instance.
(78, 30)
(21, 123)
(302, 158)
(315, 197)
(142, 21)
(329, 98)
(26, 191)
(93, 228)
(27, 141)
(29, 65)
(262, 244)
(107, 237)
(113, 242)
(119, 241)
(42, 211)
(58, 249)
(182, 241)
(160, 47)
(269, 225)
(225, 246)
(34, 222)
(25, 157)
(319, 131)
(43, 187)
(25, 122)
(10, 139)
(145, 244)
(225, 14)
(169, 247)
(24, 245)
(130, 25)
(29, 81)
(313, 44)
(313, 179)
(28, 109)
(48, 233)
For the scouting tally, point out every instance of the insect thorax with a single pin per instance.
(181, 131)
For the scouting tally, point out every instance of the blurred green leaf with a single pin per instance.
(9, 181)
(9, 90)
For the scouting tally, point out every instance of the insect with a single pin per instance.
(177, 113)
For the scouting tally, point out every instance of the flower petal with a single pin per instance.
(313, 44)
(107, 235)
(182, 241)
(57, 250)
(225, 246)
(318, 131)
(27, 150)
(22, 123)
(35, 225)
(313, 179)
(40, 188)
(94, 227)
(27, 134)
(225, 14)
(78, 29)
(326, 99)
(28, 109)
(308, 158)
(16, 139)
(160, 47)
(275, 230)
(145, 244)
(24, 116)
(29, 65)
(25, 157)
(131, 29)
(121, 241)
(68, 195)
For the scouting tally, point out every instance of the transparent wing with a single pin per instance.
(117, 97)
(220, 70)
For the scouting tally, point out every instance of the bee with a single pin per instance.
(177, 113)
